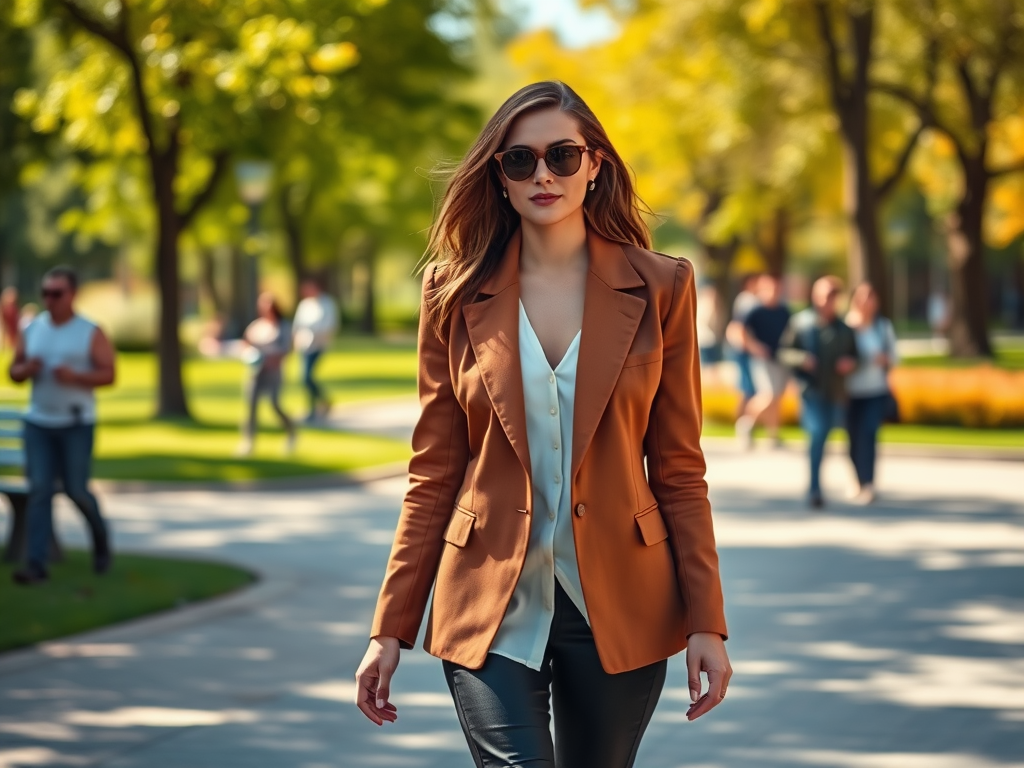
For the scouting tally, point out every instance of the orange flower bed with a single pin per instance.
(966, 397)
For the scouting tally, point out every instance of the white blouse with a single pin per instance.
(549, 398)
(870, 379)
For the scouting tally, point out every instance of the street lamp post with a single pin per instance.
(253, 178)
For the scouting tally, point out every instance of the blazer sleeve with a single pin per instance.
(676, 466)
(440, 454)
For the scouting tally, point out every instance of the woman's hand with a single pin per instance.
(373, 680)
(705, 652)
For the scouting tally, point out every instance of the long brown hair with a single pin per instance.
(475, 221)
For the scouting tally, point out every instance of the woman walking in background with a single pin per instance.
(555, 353)
(268, 339)
(868, 386)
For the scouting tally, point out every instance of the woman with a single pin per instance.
(556, 352)
(268, 340)
(868, 386)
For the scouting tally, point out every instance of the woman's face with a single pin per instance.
(869, 303)
(265, 307)
(544, 199)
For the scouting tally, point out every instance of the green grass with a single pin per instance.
(1009, 355)
(76, 600)
(130, 444)
(906, 434)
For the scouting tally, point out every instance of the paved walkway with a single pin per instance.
(862, 638)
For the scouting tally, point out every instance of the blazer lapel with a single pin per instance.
(610, 321)
(493, 328)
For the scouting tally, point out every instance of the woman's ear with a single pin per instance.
(597, 156)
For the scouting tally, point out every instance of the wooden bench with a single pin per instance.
(15, 487)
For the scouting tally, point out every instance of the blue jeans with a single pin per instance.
(316, 392)
(747, 387)
(818, 416)
(863, 420)
(64, 453)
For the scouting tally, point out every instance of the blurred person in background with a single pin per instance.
(65, 357)
(708, 343)
(315, 323)
(555, 351)
(762, 330)
(736, 334)
(868, 386)
(822, 351)
(268, 341)
(9, 316)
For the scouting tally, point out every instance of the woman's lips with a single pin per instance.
(544, 199)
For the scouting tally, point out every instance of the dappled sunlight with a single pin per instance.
(447, 740)
(923, 680)
(983, 622)
(831, 758)
(158, 717)
(88, 650)
(344, 628)
(48, 731)
(844, 651)
(27, 756)
(330, 690)
(874, 536)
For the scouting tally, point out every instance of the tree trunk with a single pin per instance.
(968, 325)
(719, 260)
(849, 96)
(774, 242)
(866, 258)
(171, 396)
(368, 321)
(293, 235)
(208, 281)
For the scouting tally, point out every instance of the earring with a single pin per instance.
(504, 192)
(593, 184)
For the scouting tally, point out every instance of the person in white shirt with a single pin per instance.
(316, 320)
(868, 386)
(66, 357)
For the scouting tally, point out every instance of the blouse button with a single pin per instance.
(580, 510)
(554, 411)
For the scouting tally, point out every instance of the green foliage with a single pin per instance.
(76, 600)
(130, 445)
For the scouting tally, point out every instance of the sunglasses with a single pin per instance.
(519, 163)
(52, 293)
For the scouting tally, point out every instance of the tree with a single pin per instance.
(979, 49)
(722, 137)
(181, 90)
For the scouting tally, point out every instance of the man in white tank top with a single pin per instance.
(66, 357)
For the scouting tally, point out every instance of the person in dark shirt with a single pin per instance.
(822, 351)
(762, 330)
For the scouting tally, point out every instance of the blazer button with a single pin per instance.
(580, 510)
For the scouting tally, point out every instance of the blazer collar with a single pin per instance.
(608, 262)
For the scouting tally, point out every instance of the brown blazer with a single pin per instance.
(644, 540)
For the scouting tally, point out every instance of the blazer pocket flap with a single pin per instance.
(459, 526)
(652, 526)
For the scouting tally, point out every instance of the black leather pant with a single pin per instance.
(505, 707)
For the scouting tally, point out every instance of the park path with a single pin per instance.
(861, 637)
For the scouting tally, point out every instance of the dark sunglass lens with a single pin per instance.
(563, 161)
(52, 294)
(518, 164)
